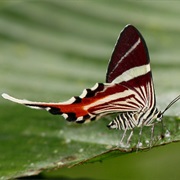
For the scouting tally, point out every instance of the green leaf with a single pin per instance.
(35, 141)
(52, 50)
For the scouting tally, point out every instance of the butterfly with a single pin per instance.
(128, 90)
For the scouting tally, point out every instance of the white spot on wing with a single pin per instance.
(79, 118)
(84, 93)
(95, 87)
(65, 115)
(48, 108)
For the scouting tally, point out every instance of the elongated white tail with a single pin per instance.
(53, 108)
(70, 110)
(28, 103)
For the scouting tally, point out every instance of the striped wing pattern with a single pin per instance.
(128, 89)
(100, 100)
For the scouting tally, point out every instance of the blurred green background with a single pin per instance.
(52, 50)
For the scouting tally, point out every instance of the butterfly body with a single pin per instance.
(128, 89)
(130, 120)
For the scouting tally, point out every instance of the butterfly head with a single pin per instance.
(159, 116)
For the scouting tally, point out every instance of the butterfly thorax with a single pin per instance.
(130, 120)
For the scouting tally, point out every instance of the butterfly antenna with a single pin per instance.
(171, 103)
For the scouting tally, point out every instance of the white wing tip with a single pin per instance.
(6, 96)
(10, 98)
(21, 101)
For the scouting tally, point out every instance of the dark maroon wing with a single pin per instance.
(130, 51)
(130, 66)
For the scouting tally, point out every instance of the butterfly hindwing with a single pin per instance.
(92, 103)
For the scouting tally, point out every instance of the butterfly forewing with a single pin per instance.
(130, 66)
(130, 52)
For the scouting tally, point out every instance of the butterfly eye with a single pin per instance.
(159, 116)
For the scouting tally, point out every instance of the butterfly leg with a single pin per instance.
(139, 139)
(122, 138)
(164, 129)
(165, 132)
(130, 135)
(152, 135)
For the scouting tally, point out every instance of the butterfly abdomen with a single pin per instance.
(124, 121)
